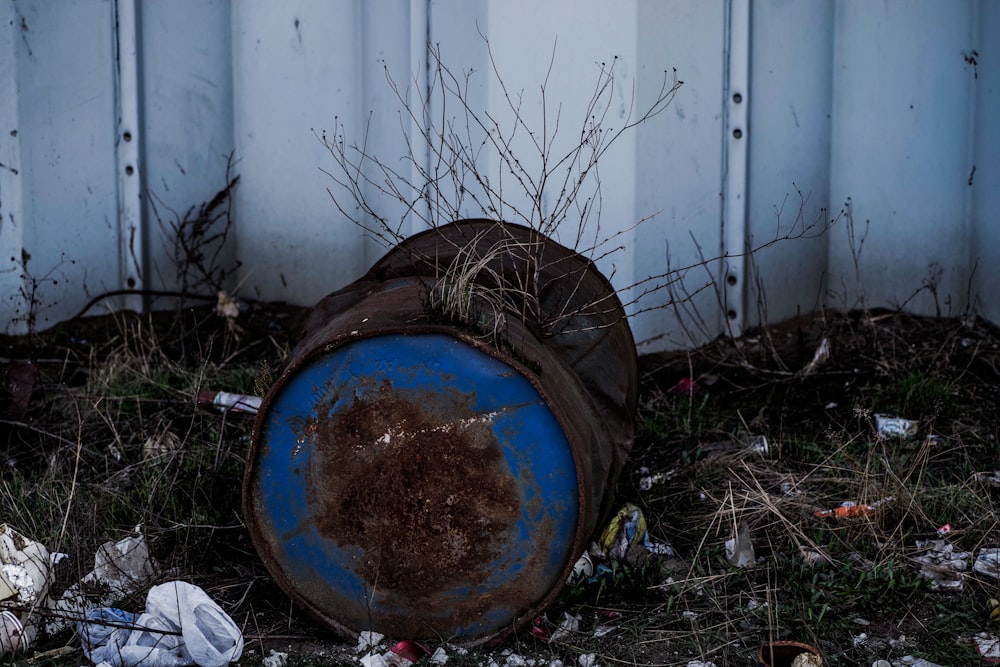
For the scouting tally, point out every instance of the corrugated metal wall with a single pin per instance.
(790, 112)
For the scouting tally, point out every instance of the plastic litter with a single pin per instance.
(403, 654)
(739, 549)
(10, 632)
(275, 659)
(626, 531)
(687, 386)
(942, 564)
(910, 661)
(24, 565)
(898, 427)
(120, 569)
(786, 653)
(369, 639)
(988, 647)
(625, 539)
(991, 478)
(181, 626)
(647, 482)
(567, 627)
(807, 660)
(850, 509)
(820, 357)
(988, 562)
(758, 444)
(223, 400)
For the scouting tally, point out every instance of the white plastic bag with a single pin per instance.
(181, 626)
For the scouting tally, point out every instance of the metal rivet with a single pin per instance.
(127, 136)
(731, 279)
(737, 133)
(129, 170)
(737, 98)
(731, 314)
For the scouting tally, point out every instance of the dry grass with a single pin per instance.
(113, 440)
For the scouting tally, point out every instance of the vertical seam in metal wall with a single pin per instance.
(131, 234)
(11, 172)
(736, 136)
(425, 91)
(969, 217)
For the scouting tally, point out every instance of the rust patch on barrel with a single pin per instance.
(427, 497)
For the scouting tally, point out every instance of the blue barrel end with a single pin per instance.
(414, 485)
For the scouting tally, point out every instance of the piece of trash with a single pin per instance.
(604, 630)
(993, 609)
(625, 538)
(402, 654)
(275, 659)
(991, 478)
(739, 549)
(373, 660)
(649, 481)
(439, 657)
(700, 663)
(538, 628)
(587, 660)
(24, 565)
(24, 581)
(944, 530)
(582, 569)
(820, 356)
(160, 444)
(120, 569)
(895, 426)
(940, 563)
(758, 444)
(569, 625)
(687, 385)
(10, 632)
(910, 661)
(224, 400)
(181, 625)
(988, 647)
(807, 660)
(813, 557)
(369, 639)
(410, 650)
(881, 663)
(227, 306)
(849, 509)
(785, 653)
(988, 562)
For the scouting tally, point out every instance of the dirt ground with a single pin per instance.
(755, 436)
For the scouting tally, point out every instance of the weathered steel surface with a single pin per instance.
(416, 477)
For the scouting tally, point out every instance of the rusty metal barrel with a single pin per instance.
(442, 443)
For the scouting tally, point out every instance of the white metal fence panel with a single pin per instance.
(902, 137)
(788, 109)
